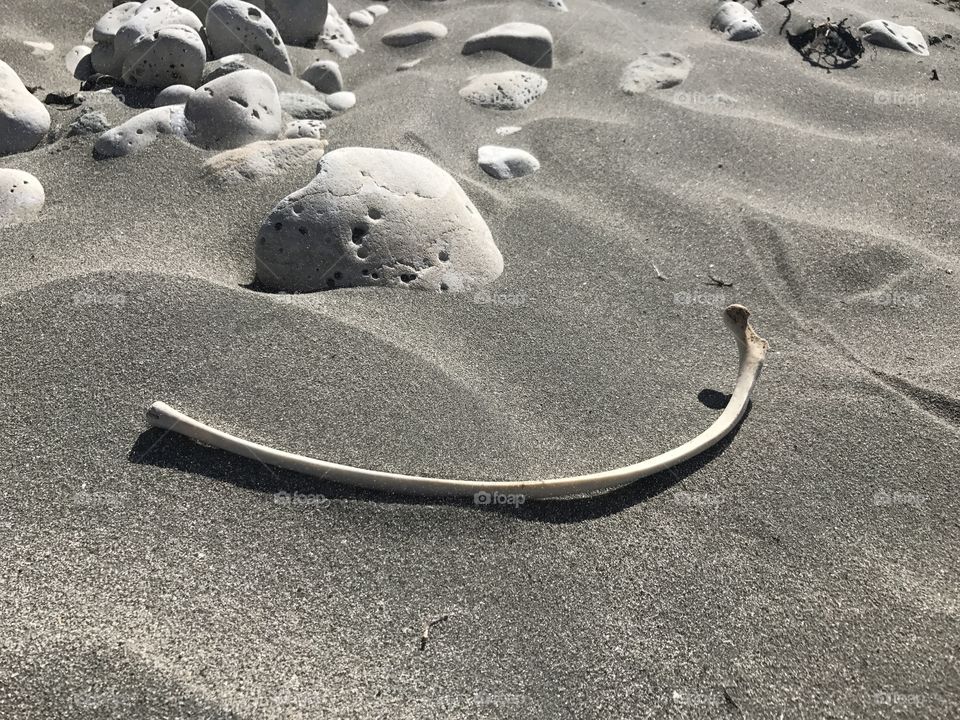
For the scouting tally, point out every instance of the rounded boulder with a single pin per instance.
(374, 217)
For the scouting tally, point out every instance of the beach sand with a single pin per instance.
(807, 567)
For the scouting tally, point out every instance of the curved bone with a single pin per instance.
(752, 349)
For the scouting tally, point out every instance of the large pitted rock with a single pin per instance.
(338, 36)
(510, 90)
(235, 26)
(21, 197)
(234, 110)
(173, 55)
(736, 21)
(655, 70)
(376, 217)
(529, 43)
(24, 120)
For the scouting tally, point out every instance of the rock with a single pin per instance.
(39, 47)
(376, 217)
(529, 43)
(511, 90)
(234, 26)
(341, 101)
(325, 76)
(21, 197)
(300, 22)
(260, 160)
(415, 33)
(89, 123)
(140, 131)
(508, 129)
(173, 95)
(377, 10)
(305, 107)
(304, 129)
(146, 19)
(360, 18)
(24, 120)
(899, 37)
(409, 65)
(337, 35)
(173, 55)
(106, 28)
(78, 63)
(559, 5)
(234, 110)
(223, 66)
(736, 21)
(655, 70)
(505, 163)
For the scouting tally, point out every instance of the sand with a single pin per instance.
(806, 568)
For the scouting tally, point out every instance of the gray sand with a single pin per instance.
(806, 568)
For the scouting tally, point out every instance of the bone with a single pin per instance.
(752, 352)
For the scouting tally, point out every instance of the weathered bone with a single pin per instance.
(752, 349)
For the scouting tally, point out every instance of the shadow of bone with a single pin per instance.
(166, 449)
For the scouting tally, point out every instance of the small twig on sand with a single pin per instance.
(660, 275)
(425, 635)
(714, 280)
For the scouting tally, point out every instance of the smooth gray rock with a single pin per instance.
(235, 26)
(377, 10)
(736, 21)
(109, 55)
(173, 55)
(338, 36)
(21, 197)
(325, 76)
(415, 33)
(78, 62)
(299, 21)
(360, 18)
(505, 163)
(898, 37)
(529, 43)
(106, 28)
(234, 110)
(305, 107)
(376, 217)
(173, 95)
(24, 120)
(223, 66)
(511, 90)
(260, 160)
(312, 129)
(655, 70)
(140, 131)
(341, 101)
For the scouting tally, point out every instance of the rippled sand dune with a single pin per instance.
(807, 567)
